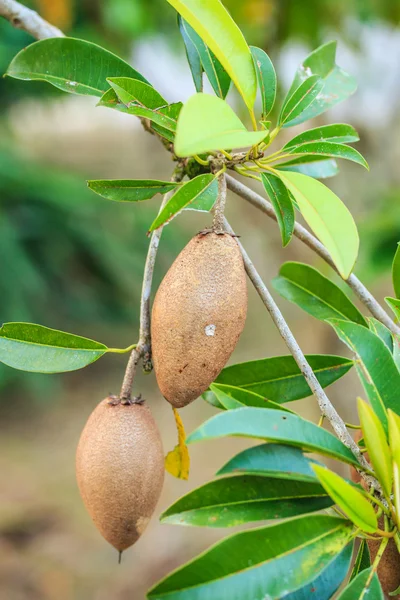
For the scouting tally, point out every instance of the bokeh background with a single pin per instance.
(73, 261)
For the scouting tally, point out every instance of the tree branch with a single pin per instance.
(24, 18)
(312, 242)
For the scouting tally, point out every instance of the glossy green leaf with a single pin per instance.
(273, 426)
(72, 65)
(234, 397)
(396, 272)
(326, 584)
(130, 190)
(313, 166)
(192, 55)
(220, 33)
(337, 132)
(35, 348)
(266, 78)
(267, 562)
(208, 123)
(328, 217)
(131, 90)
(338, 85)
(203, 188)
(381, 331)
(331, 149)
(239, 499)
(217, 76)
(212, 399)
(376, 444)
(296, 102)
(360, 588)
(363, 560)
(394, 304)
(394, 440)
(275, 460)
(279, 378)
(375, 366)
(282, 203)
(352, 501)
(308, 288)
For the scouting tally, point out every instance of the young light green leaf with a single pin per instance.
(338, 85)
(375, 367)
(394, 304)
(220, 33)
(352, 501)
(72, 65)
(337, 132)
(297, 101)
(134, 91)
(208, 123)
(234, 397)
(377, 446)
(274, 460)
(192, 55)
(396, 272)
(38, 349)
(381, 331)
(273, 426)
(130, 190)
(328, 217)
(363, 587)
(217, 76)
(266, 78)
(363, 560)
(279, 378)
(313, 166)
(394, 441)
(282, 203)
(331, 149)
(203, 188)
(314, 293)
(267, 562)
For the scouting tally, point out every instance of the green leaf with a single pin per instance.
(394, 304)
(331, 149)
(282, 203)
(218, 77)
(297, 101)
(267, 562)
(38, 349)
(394, 440)
(313, 166)
(279, 378)
(72, 65)
(130, 190)
(396, 351)
(275, 460)
(232, 501)
(376, 444)
(203, 188)
(349, 499)
(273, 426)
(363, 560)
(337, 132)
(192, 54)
(208, 123)
(359, 589)
(328, 217)
(230, 397)
(308, 288)
(266, 78)
(396, 272)
(135, 91)
(381, 331)
(375, 367)
(338, 85)
(220, 33)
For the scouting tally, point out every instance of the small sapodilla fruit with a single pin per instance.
(198, 315)
(120, 469)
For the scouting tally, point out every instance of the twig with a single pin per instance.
(312, 242)
(218, 220)
(24, 18)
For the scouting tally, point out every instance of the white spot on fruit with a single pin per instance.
(209, 330)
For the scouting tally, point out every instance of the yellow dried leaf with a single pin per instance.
(177, 462)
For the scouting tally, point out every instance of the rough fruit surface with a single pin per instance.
(198, 315)
(120, 470)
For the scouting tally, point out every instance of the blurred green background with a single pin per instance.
(73, 261)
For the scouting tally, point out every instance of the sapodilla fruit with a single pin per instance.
(198, 315)
(120, 469)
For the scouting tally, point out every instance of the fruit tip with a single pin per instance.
(119, 556)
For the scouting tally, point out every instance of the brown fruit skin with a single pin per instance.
(198, 315)
(120, 470)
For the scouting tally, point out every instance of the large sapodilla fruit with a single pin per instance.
(198, 315)
(120, 469)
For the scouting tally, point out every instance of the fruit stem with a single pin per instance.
(219, 208)
(119, 556)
